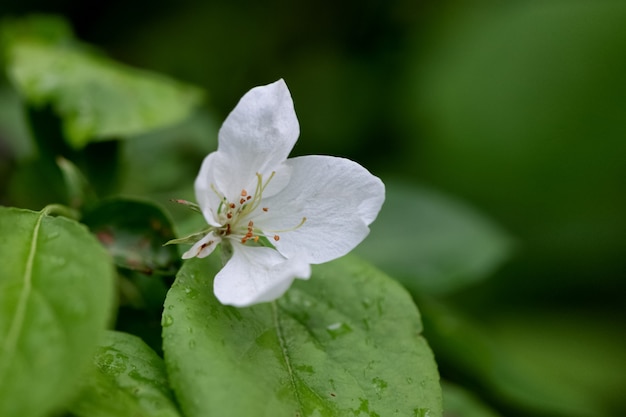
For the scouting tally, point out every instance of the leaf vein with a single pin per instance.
(20, 311)
(285, 352)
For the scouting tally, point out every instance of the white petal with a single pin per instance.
(255, 275)
(339, 199)
(256, 136)
(206, 196)
(204, 247)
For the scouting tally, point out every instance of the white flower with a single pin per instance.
(274, 215)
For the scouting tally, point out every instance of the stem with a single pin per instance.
(61, 210)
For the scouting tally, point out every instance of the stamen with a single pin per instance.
(291, 229)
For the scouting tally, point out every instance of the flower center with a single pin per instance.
(237, 217)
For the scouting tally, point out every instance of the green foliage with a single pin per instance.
(134, 232)
(527, 123)
(96, 98)
(346, 342)
(431, 243)
(56, 294)
(128, 380)
(458, 402)
(516, 108)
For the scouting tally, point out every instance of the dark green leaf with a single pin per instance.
(432, 243)
(134, 233)
(346, 342)
(545, 364)
(56, 294)
(96, 97)
(128, 380)
(79, 191)
(457, 402)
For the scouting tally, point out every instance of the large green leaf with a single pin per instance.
(129, 380)
(96, 97)
(432, 243)
(345, 343)
(56, 292)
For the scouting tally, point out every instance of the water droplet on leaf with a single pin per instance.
(167, 320)
(338, 329)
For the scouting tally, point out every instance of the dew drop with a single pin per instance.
(57, 261)
(379, 385)
(338, 329)
(191, 293)
(167, 320)
(52, 235)
(421, 412)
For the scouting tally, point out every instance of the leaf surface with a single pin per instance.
(56, 294)
(345, 343)
(128, 380)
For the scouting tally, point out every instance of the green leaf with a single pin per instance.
(134, 232)
(345, 342)
(128, 380)
(543, 363)
(562, 362)
(56, 294)
(79, 190)
(457, 402)
(96, 97)
(432, 243)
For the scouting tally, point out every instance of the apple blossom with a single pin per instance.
(274, 216)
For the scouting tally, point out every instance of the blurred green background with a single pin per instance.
(515, 110)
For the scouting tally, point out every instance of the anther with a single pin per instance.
(231, 205)
(251, 224)
(265, 209)
(229, 215)
(244, 193)
(276, 238)
(243, 200)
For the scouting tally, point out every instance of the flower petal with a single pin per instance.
(339, 199)
(256, 137)
(204, 247)
(255, 275)
(208, 200)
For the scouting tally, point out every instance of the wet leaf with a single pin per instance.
(96, 97)
(134, 232)
(56, 294)
(128, 380)
(346, 342)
